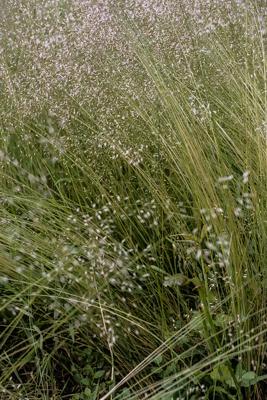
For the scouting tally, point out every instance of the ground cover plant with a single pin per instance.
(133, 167)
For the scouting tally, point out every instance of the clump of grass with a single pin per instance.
(133, 200)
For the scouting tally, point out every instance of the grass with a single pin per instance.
(133, 201)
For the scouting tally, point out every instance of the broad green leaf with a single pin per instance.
(221, 373)
(99, 374)
(249, 378)
(85, 381)
(87, 393)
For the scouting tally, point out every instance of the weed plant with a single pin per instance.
(133, 168)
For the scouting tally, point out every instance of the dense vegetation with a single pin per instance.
(133, 167)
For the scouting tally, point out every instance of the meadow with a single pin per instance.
(133, 190)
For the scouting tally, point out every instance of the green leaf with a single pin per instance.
(222, 320)
(221, 373)
(77, 377)
(171, 369)
(88, 370)
(75, 396)
(239, 372)
(99, 374)
(156, 370)
(231, 382)
(158, 360)
(124, 394)
(261, 378)
(85, 381)
(249, 378)
(87, 392)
